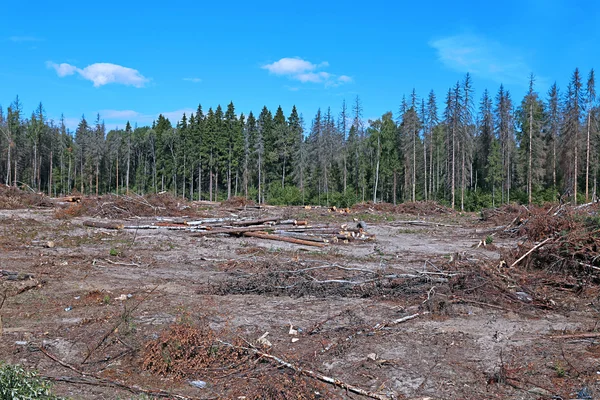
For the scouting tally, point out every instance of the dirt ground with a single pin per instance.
(103, 302)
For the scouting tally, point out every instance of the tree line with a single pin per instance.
(470, 154)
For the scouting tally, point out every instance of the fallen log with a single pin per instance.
(283, 239)
(423, 223)
(209, 221)
(43, 243)
(307, 372)
(104, 225)
(255, 221)
(141, 227)
(302, 236)
(232, 231)
(68, 199)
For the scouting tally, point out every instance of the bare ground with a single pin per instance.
(98, 298)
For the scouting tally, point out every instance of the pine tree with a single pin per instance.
(553, 122)
(572, 108)
(485, 135)
(590, 97)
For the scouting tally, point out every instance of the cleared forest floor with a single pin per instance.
(422, 309)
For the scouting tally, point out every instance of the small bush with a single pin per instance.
(17, 383)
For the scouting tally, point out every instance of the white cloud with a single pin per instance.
(102, 73)
(305, 71)
(63, 69)
(289, 66)
(484, 57)
(193, 80)
(118, 114)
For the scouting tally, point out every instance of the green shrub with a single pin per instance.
(17, 383)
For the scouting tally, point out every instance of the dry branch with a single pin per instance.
(423, 223)
(232, 231)
(398, 321)
(255, 221)
(309, 373)
(92, 379)
(104, 225)
(534, 248)
(283, 239)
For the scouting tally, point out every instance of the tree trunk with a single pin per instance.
(453, 169)
(395, 186)
(376, 171)
(97, 173)
(462, 183)
(587, 159)
(50, 177)
(529, 174)
(425, 168)
(414, 167)
(259, 180)
(575, 165)
(117, 174)
(128, 162)
(210, 185)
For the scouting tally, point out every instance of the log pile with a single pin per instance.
(299, 232)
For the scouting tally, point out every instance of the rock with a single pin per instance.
(362, 225)
(524, 297)
(372, 356)
(198, 384)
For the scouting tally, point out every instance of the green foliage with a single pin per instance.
(489, 239)
(477, 200)
(344, 199)
(289, 195)
(17, 383)
(560, 370)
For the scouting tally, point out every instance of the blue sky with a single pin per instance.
(128, 60)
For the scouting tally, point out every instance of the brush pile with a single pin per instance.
(558, 238)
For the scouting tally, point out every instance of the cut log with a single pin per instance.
(69, 199)
(303, 236)
(255, 221)
(283, 239)
(209, 221)
(233, 231)
(43, 243)
(104, 225)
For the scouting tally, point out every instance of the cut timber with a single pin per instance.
(233, 231)
(422, 223)
(303, 236)
(255, 221)
(43, 243)
(69, 199)
(104, 225)
(209, 221)
(283, 239)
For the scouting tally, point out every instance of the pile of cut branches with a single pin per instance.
(570, 237)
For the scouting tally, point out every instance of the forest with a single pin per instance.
(465, 152)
